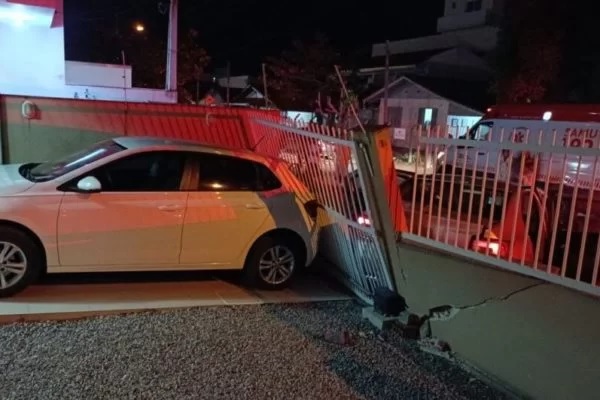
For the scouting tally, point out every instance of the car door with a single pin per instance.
(136, 219)
(224, 214)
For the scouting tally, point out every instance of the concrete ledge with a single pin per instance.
(75, 301)
(540, 338)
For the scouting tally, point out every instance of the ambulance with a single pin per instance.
(546, 127)
(553, 221)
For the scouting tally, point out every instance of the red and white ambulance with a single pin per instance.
(548, 128)
(552, 218)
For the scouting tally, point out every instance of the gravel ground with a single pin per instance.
(245, 352)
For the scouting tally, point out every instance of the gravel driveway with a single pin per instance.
(243, 352)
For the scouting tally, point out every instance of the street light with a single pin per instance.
(139, 27)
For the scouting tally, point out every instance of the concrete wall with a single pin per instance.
(92, 74)
(455, 15)
(32, 60)
(61, 126)
(31, 56)
(411, 98)
(543, 340)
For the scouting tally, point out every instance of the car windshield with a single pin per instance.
(481, 131)
(54, 169)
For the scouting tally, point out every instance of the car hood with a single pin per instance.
(11, 182)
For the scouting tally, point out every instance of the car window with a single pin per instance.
(52, 170)
(266, 178)
(225, 173)
(145, 172)
(481, 131)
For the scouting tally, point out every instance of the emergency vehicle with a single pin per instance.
(545, 126)
(553, 220)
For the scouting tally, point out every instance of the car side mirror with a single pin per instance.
(89, 184)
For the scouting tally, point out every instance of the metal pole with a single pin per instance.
(228, 79)
(387, 83)
(171, 76)
(264, 76)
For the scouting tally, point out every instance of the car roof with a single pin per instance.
(142, 142)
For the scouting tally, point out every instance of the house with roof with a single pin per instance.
(234, 90)
(443, 80)
(416, 103)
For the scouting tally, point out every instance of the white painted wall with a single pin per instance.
(456, 17)
(91, 74)
(301, 117)
(453, 8)
(31, 57)
(32, 62)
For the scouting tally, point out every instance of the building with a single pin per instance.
(32, 60)
(238, 88)
(466, 33)
(441, 80)
(416, 103)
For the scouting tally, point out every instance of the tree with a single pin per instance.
(580, 70)
(147, 57)
(298, 75)
(528, 57)
(548, 50)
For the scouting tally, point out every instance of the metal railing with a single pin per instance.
(327, 160)
(525, 201)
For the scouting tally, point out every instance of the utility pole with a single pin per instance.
(228, 79)
(387, 83)
(171, 76)
(264, 76)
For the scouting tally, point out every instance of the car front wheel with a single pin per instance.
(272, 263)
(20, 261)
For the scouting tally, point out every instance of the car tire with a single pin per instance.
(258, 273)
(18, 248)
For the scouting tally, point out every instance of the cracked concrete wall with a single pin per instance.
(542, 339)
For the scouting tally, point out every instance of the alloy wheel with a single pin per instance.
(13, 264)
(277, 265)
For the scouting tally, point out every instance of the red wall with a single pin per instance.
(223, 126)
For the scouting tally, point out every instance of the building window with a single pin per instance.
(474, 5)
(395, 116)
(428, 116)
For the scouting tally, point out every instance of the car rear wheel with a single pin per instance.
(20, 261)
(272, 263)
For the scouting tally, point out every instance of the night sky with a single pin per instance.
(244, 32)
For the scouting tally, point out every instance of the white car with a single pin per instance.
(141, 204)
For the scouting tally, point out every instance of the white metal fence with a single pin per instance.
(525, 201)
(326, 160)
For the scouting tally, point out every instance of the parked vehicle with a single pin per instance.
(526, 235)
(557, 218)
(140, 204)
(546, 126)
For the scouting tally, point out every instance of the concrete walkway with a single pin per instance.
(76, 296)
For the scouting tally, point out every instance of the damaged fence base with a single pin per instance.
(381, 321)
(411, 326)
(436, 347)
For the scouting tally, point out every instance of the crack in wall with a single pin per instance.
(447, 312)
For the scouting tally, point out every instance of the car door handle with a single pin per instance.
(254, 206)
(170, 207)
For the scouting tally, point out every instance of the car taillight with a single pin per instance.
(364, 220)
(312, 209)
(492, 247)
